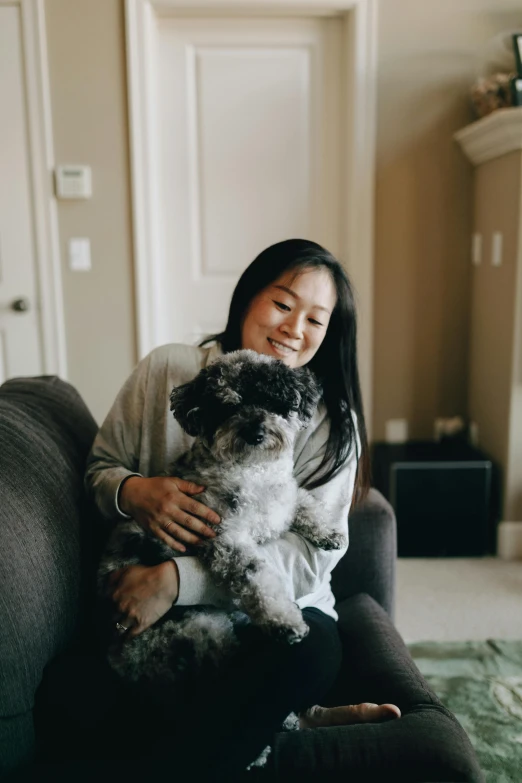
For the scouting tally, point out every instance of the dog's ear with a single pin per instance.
(185, 404)
(309, 392)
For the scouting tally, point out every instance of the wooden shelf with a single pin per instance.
(492, 136)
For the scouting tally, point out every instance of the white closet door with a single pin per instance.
(246, 117)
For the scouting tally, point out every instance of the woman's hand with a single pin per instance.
(163, 506)
(143, 594)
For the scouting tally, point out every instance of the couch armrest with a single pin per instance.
(369, 565)
(46, 432)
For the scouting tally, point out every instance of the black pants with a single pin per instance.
(222, 727)
(266, 682)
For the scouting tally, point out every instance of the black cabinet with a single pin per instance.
(441, 494)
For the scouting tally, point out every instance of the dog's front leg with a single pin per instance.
(312, 522)
(260, 590)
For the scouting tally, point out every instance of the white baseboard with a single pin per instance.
(509, 540)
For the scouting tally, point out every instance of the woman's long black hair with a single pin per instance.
(335, 363)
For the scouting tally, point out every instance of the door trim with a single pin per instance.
(360, 31)
(46, 244)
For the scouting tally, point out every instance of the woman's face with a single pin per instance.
(289, 318)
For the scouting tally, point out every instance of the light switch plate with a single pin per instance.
(476, 248)
(496, 248)
(80, 254)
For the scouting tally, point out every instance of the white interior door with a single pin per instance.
(246, 116)
(20, 350)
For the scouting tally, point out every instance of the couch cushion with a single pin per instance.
(45, 434)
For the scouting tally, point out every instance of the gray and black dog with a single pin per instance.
(244, 411)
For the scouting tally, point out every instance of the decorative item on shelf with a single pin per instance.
(516, 81)
(456, 429)
(500, 86)
(516, 89)
(490, 93)
(517, 47)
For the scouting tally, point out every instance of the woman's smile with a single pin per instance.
(279, 347)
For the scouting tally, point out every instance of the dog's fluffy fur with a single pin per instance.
(244, 410)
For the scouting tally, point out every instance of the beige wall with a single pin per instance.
(497, 206)
(89, 112)
(427, 57)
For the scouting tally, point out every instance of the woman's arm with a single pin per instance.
(134, 440)
(114, 455)
(125, 469)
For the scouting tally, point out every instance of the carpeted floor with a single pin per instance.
(456, 599)
(481, 683)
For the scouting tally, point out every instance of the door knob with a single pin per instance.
(20, 305)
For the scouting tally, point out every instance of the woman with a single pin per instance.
(293, 302)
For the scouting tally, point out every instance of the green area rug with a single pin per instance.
(481, 683)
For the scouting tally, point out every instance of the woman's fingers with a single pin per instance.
(194, 506)
(193, 523)
(127, 627)
(122, 626)
(162, 534)
(165, 507)
(144, 594)
(134, 626)
(181, 530)
(200, 510)
(188, 486)
(187, 531)
(136, 630)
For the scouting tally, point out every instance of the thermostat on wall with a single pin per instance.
(73, 181)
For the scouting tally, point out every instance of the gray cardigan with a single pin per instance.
(140, 436)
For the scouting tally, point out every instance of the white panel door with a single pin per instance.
(247, 124)
(20, 351)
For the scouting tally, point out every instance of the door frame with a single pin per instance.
(360, 31)
(44, 216)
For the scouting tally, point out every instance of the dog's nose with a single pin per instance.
(253, 433)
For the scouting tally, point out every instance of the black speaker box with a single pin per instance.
(441, 495)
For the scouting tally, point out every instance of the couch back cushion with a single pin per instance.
(45, 434)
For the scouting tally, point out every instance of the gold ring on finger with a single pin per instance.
(167, 526)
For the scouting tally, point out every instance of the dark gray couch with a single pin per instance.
(49, 540)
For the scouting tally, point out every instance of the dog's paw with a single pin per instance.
(261, 760)
(291, 634)
(331, 540)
